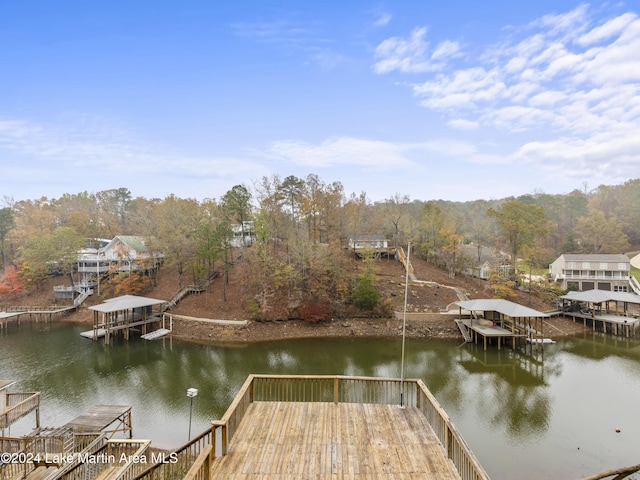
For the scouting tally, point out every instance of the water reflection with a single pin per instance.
(519, 411)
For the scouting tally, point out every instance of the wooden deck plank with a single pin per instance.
(324, 440)
(98, 418)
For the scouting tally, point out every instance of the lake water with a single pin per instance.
(525, 416)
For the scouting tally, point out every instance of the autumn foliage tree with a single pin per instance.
(135, 284)
(10, 281)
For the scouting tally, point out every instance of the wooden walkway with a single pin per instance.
(17, 314)
(278, 440)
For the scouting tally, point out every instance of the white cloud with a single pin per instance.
(445, 50)
(79, 150)
(341, 151)
(463, 124)
(567, 84)
(611, 28)
(383, 19)
(328, 60)
(407, 56)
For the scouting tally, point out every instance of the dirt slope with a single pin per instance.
(432, 297)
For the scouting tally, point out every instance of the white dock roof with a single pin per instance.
(513, 310)
(599, 296)
(125, 302)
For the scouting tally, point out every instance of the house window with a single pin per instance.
(603, 266)
(586, 265)
(622, 266)
(620, 288)
(571, 265)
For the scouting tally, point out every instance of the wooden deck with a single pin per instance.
(326, 426)
(278, 440)
(476, 331)
(609, 323)
(103, 418)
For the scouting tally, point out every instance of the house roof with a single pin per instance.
(513, 310)
(595, 257)
(599, 296)
(136, 243)
(367, 238)
(125, 302)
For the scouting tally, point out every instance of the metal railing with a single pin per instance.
(597, 276)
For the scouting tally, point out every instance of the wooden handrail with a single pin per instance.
(200, 468)
(180, 460)
(20, 404)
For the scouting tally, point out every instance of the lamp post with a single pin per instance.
(192, 392)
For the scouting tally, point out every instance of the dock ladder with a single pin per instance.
(463, 329)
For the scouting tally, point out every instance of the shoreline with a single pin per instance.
(253, 332)
(436, 326)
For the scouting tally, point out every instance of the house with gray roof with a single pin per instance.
(581, 272)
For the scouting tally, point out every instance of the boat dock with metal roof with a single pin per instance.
(121, 314)
(500, 320)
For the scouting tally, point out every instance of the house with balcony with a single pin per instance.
(124, 253)
(582, 272)
(376, 243)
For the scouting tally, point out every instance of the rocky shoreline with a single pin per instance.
(432, 326)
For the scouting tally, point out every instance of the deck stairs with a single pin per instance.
(82, 297)
(635, 286)
(184, 291)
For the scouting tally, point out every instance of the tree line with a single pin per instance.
(298, 225)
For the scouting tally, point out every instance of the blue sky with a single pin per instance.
(455, 100)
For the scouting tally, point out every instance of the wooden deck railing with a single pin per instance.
(341, 389)
(175, 465)
(457, 449)
(200, 468)
(18, 405)
(85, 445)
(15, 469)
(193, 460)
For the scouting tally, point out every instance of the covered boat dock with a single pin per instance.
(596, 306)
(500, 320)
(121, 314)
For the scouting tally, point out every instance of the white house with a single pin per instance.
(359, 242)
(238, 230)
(123, 253)
(581, 272)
